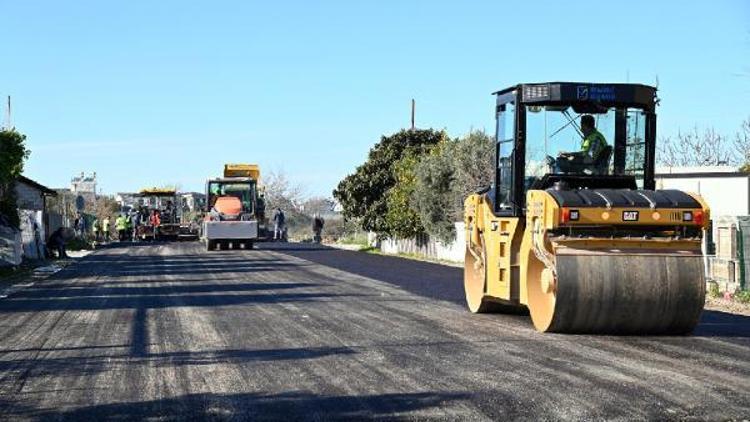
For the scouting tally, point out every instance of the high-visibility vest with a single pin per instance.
(593, 144)
(121, 223)
(105, 225)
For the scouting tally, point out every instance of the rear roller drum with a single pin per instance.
(618, 293)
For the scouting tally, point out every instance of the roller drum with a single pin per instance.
(621, 293)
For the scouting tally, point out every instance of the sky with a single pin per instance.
(150, 93)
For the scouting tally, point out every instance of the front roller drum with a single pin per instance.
(619, 293)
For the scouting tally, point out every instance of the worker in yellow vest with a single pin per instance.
(95, 228)
(121, 225)
(105, 228)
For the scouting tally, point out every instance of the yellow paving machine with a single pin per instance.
(583, 240)
(164, 202)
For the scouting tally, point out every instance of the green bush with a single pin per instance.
(77, 244)
(713, 290)
(743, 296)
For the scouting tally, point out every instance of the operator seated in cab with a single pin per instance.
(592, 155)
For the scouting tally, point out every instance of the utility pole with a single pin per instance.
(7, 116)
(413, 107)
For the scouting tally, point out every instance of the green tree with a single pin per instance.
(364, 194)
(434, 193)
(13, 153)
(446, 176)
(475, 166)
(401, 217)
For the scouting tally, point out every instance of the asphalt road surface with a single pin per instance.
(171, 332)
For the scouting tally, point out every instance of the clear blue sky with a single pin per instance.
(156, 92)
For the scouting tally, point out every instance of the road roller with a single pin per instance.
(573, 227)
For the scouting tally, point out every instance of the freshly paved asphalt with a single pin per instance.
(171, 332)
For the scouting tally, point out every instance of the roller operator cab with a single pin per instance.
(573, 228)
(232, 208)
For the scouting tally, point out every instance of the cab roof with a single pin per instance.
(573, 93)
(157, 191)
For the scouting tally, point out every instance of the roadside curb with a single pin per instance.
(41, 273)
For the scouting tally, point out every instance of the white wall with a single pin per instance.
(726, 195)
(429, 248)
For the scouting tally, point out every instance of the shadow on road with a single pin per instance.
(722, 324)
(94, 360)
(444, 282)
(294, 405)
(62, 291)
(19, 304)
(426, 279)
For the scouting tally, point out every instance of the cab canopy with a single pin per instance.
(539, 124)
(158, 192)
(242, 170)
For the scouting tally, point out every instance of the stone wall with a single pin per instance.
(28, 197)
(730, 267)
(11, 251)
(32, 234)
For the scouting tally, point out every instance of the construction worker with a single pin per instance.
(592, 145)
(56, 242)
(278, 224)
(95, 228)
(121, 225)
(155, 221)
(317, 227)
(105, 228)
(135, 221)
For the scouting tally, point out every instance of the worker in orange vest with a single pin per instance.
(155, 221)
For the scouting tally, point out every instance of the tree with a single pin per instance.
(742, 144)
(707, 148)
(446, 176)
(475, 166)
(13, 153)
(363, 194)
(318, 205)
(280, 192)
(434, 191)
(401, 217)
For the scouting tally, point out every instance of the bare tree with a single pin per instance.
(742, 144)
(707, 148)
(280, 192)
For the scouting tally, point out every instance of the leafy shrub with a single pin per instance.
(743, 296)
(713, 290)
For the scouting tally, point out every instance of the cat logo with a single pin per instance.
(630, 216)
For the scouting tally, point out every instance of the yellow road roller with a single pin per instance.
(572, 227)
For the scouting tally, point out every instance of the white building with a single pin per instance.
(84, 185)
(727, 193)
(726, 190)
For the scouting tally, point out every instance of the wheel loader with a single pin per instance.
(588, 246)
(233, 208)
